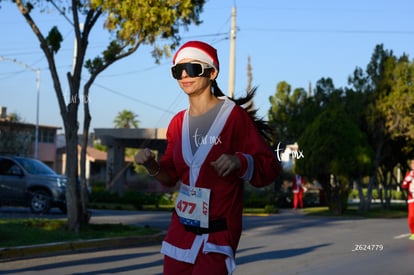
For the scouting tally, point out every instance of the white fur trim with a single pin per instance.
(184, 255)
(222, 249)
(195, 162)
(250, 167)
(190, 255)
(196, 54)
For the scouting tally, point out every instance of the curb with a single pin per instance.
(18, 252)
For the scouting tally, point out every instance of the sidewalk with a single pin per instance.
(18, 252)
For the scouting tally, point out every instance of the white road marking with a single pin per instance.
(402, 236)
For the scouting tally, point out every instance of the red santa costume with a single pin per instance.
(206, 223)
(298, 188)
(259, 167)
(408, 183)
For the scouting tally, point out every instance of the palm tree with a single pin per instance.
(126, 119)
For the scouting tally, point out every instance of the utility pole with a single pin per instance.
(232, 62)
(310, 89)
(37, 71)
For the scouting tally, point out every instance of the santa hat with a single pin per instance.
(197, 50)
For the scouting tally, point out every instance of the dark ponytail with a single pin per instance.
(247, 103)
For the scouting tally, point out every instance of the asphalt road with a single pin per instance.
(285, 243)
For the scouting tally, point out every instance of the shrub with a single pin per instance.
(270, 209)
(168, 198)
(100, 194)
(353, 194)
(395, 195)
(253, 200)
(135, 198)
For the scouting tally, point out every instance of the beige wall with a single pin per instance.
(47, 154)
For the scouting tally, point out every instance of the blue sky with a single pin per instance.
(296, 41)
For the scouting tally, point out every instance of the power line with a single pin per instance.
(137, 71)
(134, 99)
(328, 31)
(207, 35)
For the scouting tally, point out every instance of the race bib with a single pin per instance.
(192, 205)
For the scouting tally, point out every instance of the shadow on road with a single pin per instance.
(95, 261)
(278, 254)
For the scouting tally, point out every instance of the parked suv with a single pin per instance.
(30, 182)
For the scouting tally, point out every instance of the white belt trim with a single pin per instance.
(190, 255)
(410, 200)
(222, 249)
(184, 255)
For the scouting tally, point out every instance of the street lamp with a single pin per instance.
(37, 71)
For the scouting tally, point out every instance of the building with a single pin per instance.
(18, 138)
(95, 164)
(110, 167)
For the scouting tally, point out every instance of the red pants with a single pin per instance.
(411, 217)
(206, 264)
(298, 199)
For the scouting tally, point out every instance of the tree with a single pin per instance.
(326, 129)
(12, 117)
(288, 116)
(398, 105)
(336, 152)
(285, 114)
(131, 23)
(126, 119)
(376, 83)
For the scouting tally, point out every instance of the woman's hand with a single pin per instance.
(144, 157)
(147, 158)
(226, 164)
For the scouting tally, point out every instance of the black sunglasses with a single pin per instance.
(193, 69)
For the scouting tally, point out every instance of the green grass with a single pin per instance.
(17, 232)
(130, 207)
(376, 212)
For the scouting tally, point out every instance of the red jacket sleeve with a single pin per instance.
(262, 167)
(173, 136)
